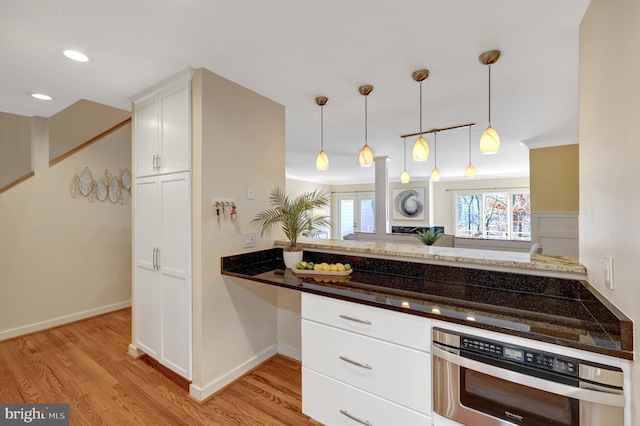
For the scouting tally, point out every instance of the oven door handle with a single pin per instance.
(599, 397)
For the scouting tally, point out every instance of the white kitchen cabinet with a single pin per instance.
(364, 357)
(162, 231)
(162, 127)
(162, 290)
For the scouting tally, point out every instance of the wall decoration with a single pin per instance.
(408, 204)
(86, 181)
(101, 190)
(107, 186)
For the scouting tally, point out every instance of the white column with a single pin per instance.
(382, 194)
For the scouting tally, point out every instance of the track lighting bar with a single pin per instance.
(439, 130)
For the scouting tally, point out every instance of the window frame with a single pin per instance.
(510, 192)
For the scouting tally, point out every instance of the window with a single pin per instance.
(493, 215)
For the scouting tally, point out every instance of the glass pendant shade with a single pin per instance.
(366, 156)
(435, 174)
(470, 171)
(489, 141)
(404, 177)
(420, 149)
(322, 161)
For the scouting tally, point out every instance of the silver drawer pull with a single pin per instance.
(364, 422)
(347, 317)
(350, 361)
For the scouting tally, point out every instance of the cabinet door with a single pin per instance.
(175, 272)
(175, 128)
(146, 285)
(146, 136)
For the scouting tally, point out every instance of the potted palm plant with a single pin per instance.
(295, 215)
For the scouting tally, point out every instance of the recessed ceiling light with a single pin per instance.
(41, 96)
(74, 55)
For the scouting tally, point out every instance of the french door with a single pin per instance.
(356, 213)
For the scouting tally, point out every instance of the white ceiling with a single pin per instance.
(294, 50)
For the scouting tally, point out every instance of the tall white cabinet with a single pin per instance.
(162, 224)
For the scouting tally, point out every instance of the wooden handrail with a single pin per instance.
(17, 181)
(89, 142)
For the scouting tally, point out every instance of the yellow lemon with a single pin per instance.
(326, 267)
(340, 267)
(317, 267)
(334, 267)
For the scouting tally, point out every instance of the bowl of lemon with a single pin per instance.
(310, 268)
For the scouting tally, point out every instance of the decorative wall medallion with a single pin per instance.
(107, 177)
(101, 190)
(126, 179)
(86, 182)
(92, 195)
(114, 191)
(74, 189)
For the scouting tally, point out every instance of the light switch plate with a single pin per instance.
(250, 194)
(249, 239)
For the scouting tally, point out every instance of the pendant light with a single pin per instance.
(435, 173)
(420, 147)
(322, 160)
(470, 171)
(404, 177)
(489, 141)
(366, 155)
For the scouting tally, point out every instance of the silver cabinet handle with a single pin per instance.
(155, 166)
(354, 418)
(347, 317)
(158, 259)
(159, 162)
(154, 258)
(350, 361)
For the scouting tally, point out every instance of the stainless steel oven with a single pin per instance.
(482, 382)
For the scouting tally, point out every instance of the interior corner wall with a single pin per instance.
(64, 258)
(239, 140)
(554, 178)
(15, 147)
(609, 152)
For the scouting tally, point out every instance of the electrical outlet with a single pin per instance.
(608, 272)
(250, 194)
(249, 239)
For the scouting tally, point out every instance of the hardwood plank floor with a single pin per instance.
(86, 365)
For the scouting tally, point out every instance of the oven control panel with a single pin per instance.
(524, 356)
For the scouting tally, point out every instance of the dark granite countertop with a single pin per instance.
(554, 310)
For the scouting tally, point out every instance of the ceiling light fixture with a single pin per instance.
(41, 96)
(470, 171)
(435, 173)
(366, 155)
(420, 147)
(489, 141)
(404, 177)
(322, 159)
(75, 55)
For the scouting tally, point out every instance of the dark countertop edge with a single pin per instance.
(623, 354)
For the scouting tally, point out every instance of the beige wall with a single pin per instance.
(63, 258)
(239, 140)
(79, 123)
(609, 153)
(554, 174)
(15, 147)
(443, 192)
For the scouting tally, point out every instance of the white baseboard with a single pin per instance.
(19, 331)
(201, 393)
(290, 352)
(134, 351)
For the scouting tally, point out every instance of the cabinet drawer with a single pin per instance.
(331, 402)
(393, 372)
(403, 329)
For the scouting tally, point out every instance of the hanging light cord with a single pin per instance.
(435, 150)
(420, 109)
(489, 95)
(322, 128)
(405, 154)
(469, 144)
(365, 120)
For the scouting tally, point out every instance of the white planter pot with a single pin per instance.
(292, 258)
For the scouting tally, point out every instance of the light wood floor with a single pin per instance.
(86, 365)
